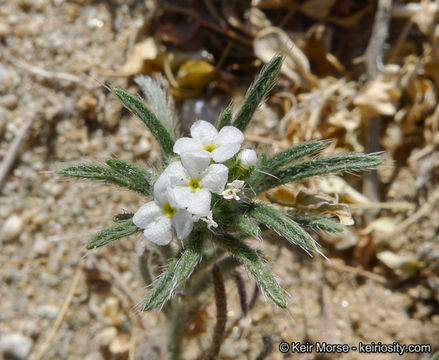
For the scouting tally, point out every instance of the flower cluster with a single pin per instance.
(183, 192)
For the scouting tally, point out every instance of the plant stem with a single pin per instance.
(166, 253)
(145, 267)
(221, 314)
(177, 322)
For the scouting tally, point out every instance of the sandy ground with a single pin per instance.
(53, 55)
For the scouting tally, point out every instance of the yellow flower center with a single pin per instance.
(210, 147)
(194, 184)
(169, 210)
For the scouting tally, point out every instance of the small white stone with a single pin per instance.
(11, 228)
(106, 336)
(41, 246)
(9, 101)
(16, 344)
(47, 311)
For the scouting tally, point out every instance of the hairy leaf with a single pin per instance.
(282, 224)
(122, 217)
(161, 104)
(119, 173)
(294, 153)
(225, 118)
(138, 108)
(319, 167)
(175, 274)
(248, 227)
(317, 222)
(257, 267)
(257, 92)
(106, 236)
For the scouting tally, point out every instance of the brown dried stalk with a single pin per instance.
(221, 313)
(267, 347)
(239, 281)
(254, 297)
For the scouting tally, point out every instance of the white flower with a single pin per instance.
(208, 220)
(232, 190)
(247, 158)
(220, 146)
(158, 217)
(192, 180)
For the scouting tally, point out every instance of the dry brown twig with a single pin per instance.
(53, 75)
(13, 151)
(221, 314)
(374, 61)
(63, 311)
(357, 271)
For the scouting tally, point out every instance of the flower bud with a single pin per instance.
(247, 158)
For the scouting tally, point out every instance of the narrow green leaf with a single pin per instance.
(122, 217)
(140, 179)
(225, 118)
(162, 289)
(248, 226)
(257, 267)
(319, 167)
(162, 105)
(282, 224)
(106, 236)
(317, 222)
(328, 165)
(138, 108)
(294, 153)
(257, 92)
(176, 273)
(120, 173)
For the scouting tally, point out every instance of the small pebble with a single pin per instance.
(9, 101)
(142, 148)
(11, 228)
(5, 29)
(47, 311)
(106, 336)
(16, 345)
(41, 246)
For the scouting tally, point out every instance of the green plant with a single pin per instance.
(212, 221)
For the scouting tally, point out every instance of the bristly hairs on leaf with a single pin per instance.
(138, 108)
(162, 105)
(257, 92)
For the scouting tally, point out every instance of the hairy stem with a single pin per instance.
(221, 314)
(177, 324)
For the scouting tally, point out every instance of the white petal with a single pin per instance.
(187, 144)
(203, 131)
(159, 232)
(225, 152)
(199, 202)
(147, 214)
(183, 224)
(177, 174)
(229, 135)
(215, 178)
(160, 187)
(195, 162)
(179, 196)
(248, 158)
